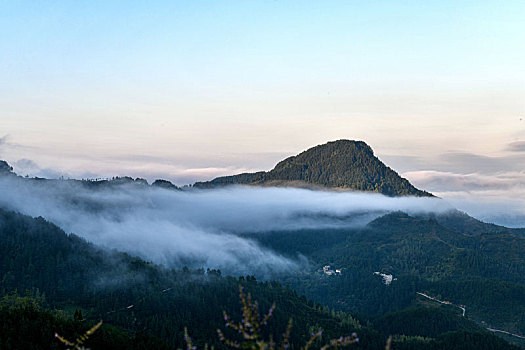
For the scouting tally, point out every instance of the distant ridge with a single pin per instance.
(342, 164)
(7, 171)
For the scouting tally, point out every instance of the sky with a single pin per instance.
(190, 90)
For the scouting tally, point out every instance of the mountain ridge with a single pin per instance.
(340, 165)
(343, 165)
(150, 303)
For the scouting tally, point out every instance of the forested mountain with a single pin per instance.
(153, 304)
(38, 257)
(433, 280)
(342, 164)
(482, 271)
(461, 222)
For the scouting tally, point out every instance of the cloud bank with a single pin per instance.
(517, 146)
(496, 198)
(199, 228)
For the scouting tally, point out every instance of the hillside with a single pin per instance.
(450, 256)
(150, 305)
(483, 269)
(343, 164)
(38, 257)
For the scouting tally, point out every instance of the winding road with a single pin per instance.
(464, 309)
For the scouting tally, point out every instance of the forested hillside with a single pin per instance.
(342, 164)
(483, 271)
(38, 257)
(459, 274)
(153, 304)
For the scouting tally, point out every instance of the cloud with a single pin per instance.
(518, 146)
(439, 181)
(500, 207)
(28, 167)
(200, 227)
(474, 163)
(212, 172)
(3, 143)
(188, 169)
(404, 163)
(457, 162)
(496, 198)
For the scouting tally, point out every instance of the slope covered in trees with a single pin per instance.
(25, 324)
(483, 271)
(38, 257)
(451, 256)
(342, 164)
(150, 303)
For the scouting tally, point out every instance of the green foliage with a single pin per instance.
(164, 184)
(252, 324)
(25, 324)
(424, 322)
(483, 271)
(460, 340)
(66, 272)
(36, 255)
(340, 164)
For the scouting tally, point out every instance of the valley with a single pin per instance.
(152, 260)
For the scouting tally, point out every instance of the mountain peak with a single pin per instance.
(341, 164)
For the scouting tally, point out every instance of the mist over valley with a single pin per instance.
(197, 227)
(262, 175)
(333, 223)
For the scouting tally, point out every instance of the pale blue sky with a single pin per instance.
(220, 48)
(188, 90)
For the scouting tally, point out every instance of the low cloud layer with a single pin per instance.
(181, 169)
(496, 198)
(453, 182)
(517, 146)
(199, 227)
(499, 207)
(461, 162)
